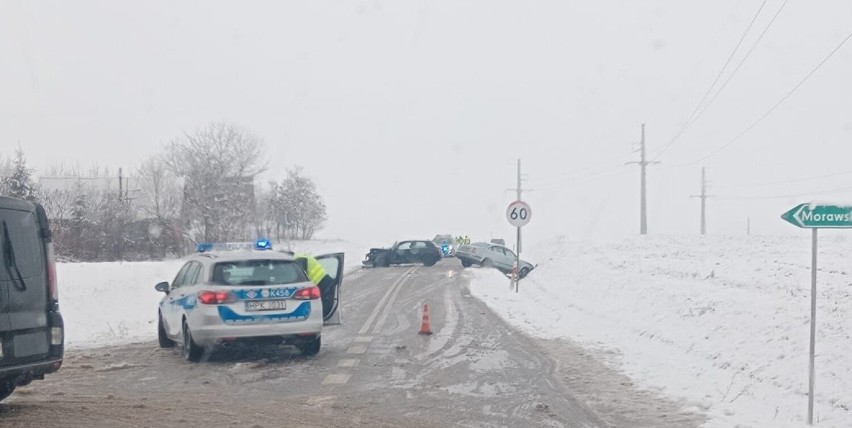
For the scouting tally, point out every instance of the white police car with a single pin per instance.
(233, 292)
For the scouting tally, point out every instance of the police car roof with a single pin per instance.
(239, 255)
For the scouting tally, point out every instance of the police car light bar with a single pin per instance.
(260, 244)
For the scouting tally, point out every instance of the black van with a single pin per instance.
(31, 327)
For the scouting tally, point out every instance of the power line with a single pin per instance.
(743, 60)
(582, 180)
(797, 195)
(774, 107)
(692, 117)
(556, 179)
(793, 180)
(579, 176)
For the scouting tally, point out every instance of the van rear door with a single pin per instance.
(23, 279)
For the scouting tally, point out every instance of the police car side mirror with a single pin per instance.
(162, 287)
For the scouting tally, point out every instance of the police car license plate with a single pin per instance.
(266, 305)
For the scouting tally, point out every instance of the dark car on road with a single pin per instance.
(404, 252)
(31, 327)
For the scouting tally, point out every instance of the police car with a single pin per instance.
(246, 292)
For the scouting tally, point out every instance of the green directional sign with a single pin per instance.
(814, 216)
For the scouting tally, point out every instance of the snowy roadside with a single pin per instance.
(107, 304)
(720, 322)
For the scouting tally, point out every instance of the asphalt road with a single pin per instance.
(374, 370)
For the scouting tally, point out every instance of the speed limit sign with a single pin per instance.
(518, 213)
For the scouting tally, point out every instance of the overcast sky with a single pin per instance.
(410, 115)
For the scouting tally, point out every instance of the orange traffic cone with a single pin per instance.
(424, 326)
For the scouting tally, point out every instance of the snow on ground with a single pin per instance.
(720, 322)
(107, 304)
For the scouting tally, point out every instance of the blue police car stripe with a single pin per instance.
(230, 317)
(187, 302)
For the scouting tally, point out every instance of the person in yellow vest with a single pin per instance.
(317, 275)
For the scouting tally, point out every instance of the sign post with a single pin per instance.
(815, 217)
(518, 213)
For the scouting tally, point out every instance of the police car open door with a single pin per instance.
(333, 265)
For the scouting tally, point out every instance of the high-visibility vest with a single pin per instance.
(315, 270)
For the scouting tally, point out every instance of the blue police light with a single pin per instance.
(203, 247)
(263, 244)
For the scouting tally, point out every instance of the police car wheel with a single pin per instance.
(310, 348)
(191, 351)
(6, 389)
(163, 338)
(430, 261)
(466, 263)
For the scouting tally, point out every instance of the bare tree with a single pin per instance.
(218, 164)
(159, 199)
(300, 205)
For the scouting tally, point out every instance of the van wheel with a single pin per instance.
(191, 351)
(310, 348)
(466, 263)
(523, 273)
(6, 389)
(165, 342)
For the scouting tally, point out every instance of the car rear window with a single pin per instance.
(22, 228)
(258, 272)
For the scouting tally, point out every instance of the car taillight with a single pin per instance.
(215, 297)
(310, 293)
(52, 288)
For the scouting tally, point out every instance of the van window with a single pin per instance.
(22, 227)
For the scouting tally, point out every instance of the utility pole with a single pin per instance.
(703, 197)
(120, 185)
(519, 194)
(519, 190)
(643, 205)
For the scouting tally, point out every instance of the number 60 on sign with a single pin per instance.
(518, 213)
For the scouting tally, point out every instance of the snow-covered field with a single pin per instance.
(112, 303)
(720, 322)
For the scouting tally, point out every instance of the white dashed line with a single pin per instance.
(357, 349)
(348, 362)
(336, 379)
(320, 401)
(363, 339)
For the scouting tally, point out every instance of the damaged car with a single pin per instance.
(494, 256)
(404, 252)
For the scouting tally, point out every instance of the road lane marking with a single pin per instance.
(348, 362)
(336, 379)
(320, 401)
(387, 310)
(363, 339)
(357, 349)
(384, 299)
